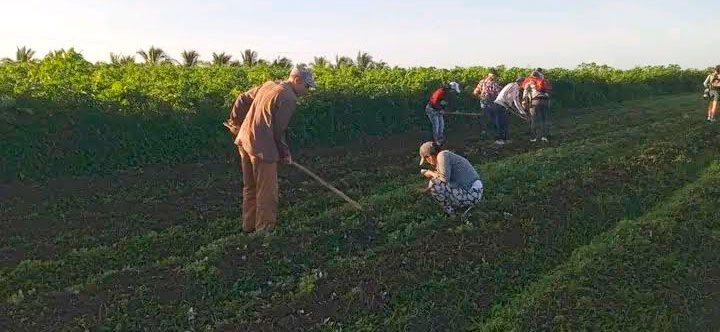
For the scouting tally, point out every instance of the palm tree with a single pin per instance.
(380, 65)
(364, 60)
(320, 62)
(119, 59)
(221, 59)
(23, 54)
(250, 58)
(341, 61)
(190, 58)
(127, 59)
(154, 56)
(282, 62)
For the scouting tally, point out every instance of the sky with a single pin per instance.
(440, 33)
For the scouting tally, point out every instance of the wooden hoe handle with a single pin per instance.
(327, 185)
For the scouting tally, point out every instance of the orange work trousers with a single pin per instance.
(260, 192)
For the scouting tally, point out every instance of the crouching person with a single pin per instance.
(454, 182)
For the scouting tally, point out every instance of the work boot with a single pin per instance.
(544, 139)
(499, 142)
(533, 140)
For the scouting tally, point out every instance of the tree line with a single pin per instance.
(189, 58)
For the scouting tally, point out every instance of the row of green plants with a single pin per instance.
(654, 273)
(418, 272)
(67, 116)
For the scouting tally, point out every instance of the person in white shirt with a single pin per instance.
(507, 100)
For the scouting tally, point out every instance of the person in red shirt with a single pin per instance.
(439, 102)
(536, 90)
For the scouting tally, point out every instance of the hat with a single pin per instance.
(305, 74)
(427, 149)
(455, 86)
(493, 71)
(519, 78)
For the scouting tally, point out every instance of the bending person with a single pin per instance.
(260, 118)
(536, 89)
(440, 101)
(507, 100)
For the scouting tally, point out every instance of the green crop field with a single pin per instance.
(121, 211)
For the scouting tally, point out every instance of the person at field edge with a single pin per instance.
(440, 101)
(507, 100)
(536, 90)
(260, 117)
(454, 183)
(487, 90)
(712, 86)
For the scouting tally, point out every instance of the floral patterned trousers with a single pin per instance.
(453, 198)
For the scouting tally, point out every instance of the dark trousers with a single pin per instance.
(486, 106)
(540, 118)
(497, 115)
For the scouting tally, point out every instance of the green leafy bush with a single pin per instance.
(66, 116)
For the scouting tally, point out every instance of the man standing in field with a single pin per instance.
(487, 90)
(259, 118)
(536, 89)
(440, 101)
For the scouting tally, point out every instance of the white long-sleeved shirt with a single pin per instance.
(509, 97)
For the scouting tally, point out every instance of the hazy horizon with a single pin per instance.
(404, 33)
